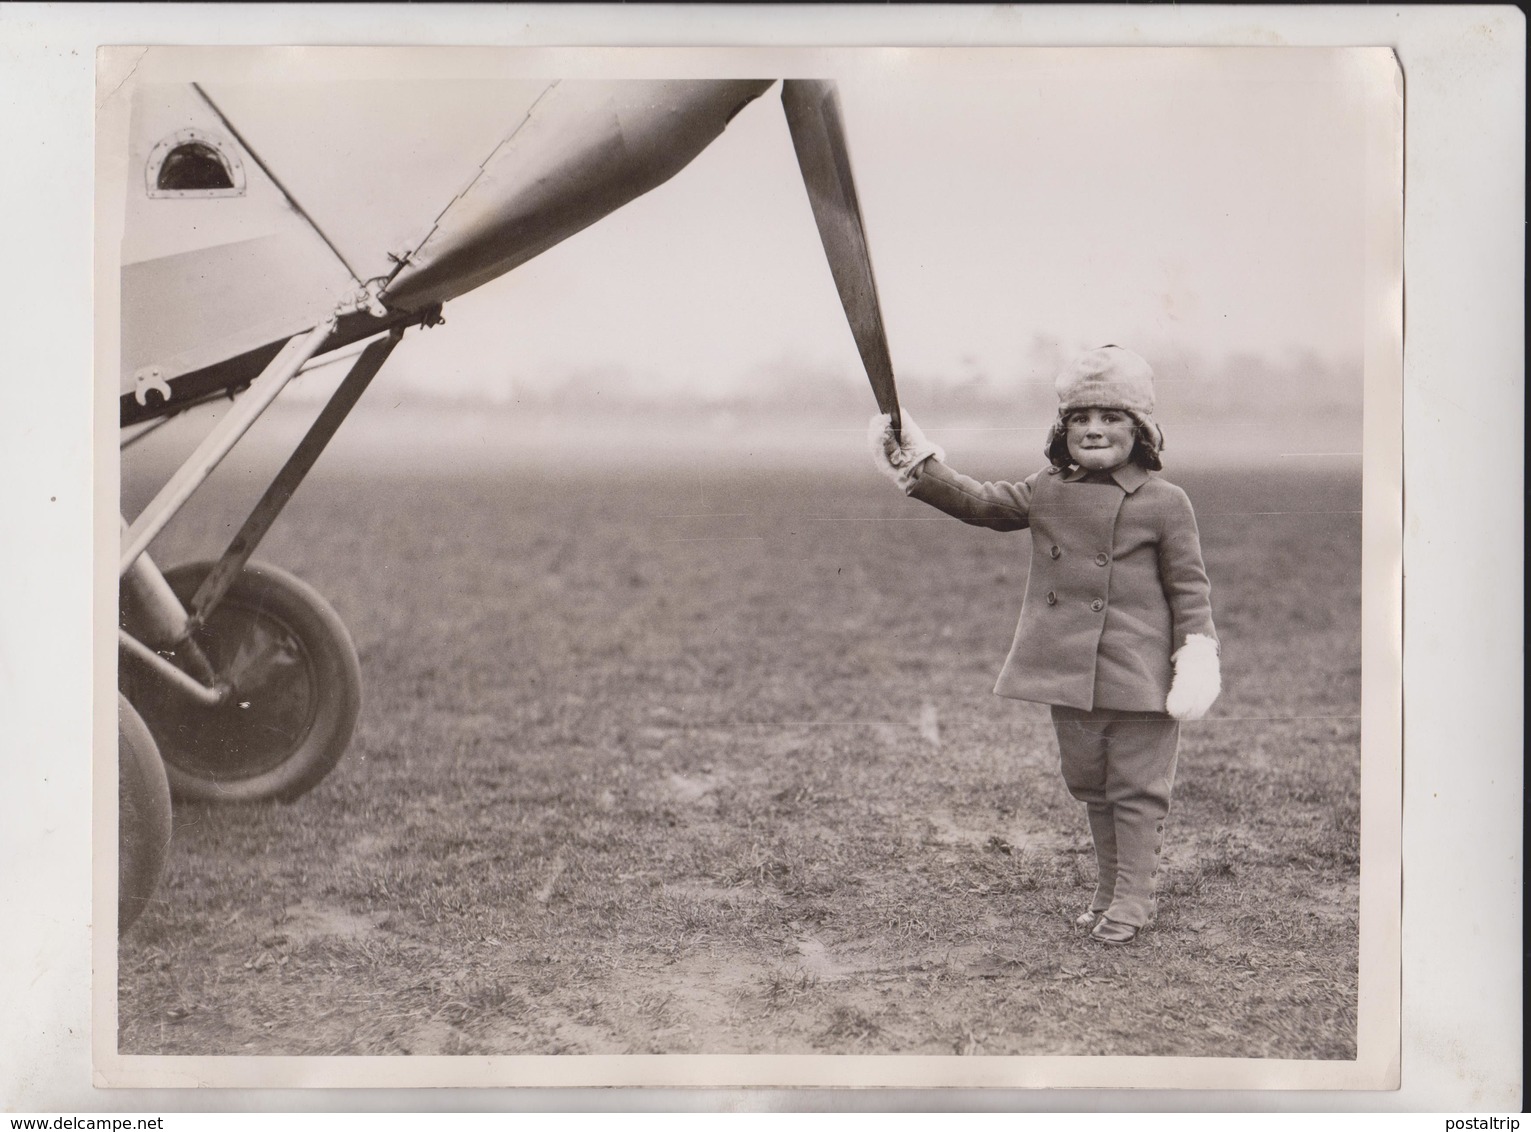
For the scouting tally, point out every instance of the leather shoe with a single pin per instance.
(1113, 933)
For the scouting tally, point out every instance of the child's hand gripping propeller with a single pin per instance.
(1198, 678)
(897, 456)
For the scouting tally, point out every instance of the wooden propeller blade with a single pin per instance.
(818, 135)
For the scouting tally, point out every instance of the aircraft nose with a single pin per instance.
(584, 150)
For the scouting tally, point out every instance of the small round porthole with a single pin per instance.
(194, 163)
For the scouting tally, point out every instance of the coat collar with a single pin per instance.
(1129, 477)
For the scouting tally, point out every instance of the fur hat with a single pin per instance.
(1108, 377)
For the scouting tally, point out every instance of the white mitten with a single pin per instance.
(898, 461)
(1198, 678)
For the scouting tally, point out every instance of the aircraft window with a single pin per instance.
(193, 166)
(194, 163)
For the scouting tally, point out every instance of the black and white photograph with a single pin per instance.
(625, 555)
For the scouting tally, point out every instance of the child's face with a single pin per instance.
(1100, 439)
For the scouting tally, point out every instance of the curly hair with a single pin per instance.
(1145, 449)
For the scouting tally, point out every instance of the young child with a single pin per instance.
(1116, 626)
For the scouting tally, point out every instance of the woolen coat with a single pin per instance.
(1117, 581)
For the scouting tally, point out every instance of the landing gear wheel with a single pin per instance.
(143, 815)
(296, 692)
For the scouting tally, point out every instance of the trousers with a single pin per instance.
(1121, 765)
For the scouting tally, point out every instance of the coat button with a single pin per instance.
(1097, 605)
(1101, 559)
(1052, 598)
(1055, 552)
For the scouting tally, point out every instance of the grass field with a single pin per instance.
(672, 761)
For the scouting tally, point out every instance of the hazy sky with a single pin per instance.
(1180, 202)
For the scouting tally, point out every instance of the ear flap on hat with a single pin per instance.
(1056, 446)
(1151, 430)
(1150, 442)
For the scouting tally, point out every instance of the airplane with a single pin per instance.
(248, 256)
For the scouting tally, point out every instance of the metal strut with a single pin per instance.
(175, 677)
(217, 444)
(335, 411)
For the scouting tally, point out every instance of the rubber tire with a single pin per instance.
(143, 815)
(319, 646)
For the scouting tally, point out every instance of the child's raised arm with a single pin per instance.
(916, 465)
